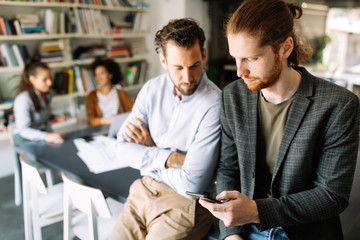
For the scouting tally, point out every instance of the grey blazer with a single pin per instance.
(315, 164)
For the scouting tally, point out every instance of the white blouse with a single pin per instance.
(109, 104)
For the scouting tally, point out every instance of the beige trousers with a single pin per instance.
(154, 211)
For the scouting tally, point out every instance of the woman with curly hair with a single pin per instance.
(106, 101)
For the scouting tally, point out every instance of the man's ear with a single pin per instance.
(287, 48)
(163, 60)
(204, 54)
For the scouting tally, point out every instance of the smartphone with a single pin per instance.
(203, 196)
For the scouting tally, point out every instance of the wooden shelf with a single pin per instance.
(71, 5)
(65, 64)
(34, 37)
(5, 106)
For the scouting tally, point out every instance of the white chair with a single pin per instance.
(42, 206)
(97, 217)
(17, 172)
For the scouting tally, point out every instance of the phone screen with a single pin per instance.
(205, 197)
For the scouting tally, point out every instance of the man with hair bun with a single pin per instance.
(289, 140)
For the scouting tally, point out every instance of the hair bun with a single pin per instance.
(295, 10)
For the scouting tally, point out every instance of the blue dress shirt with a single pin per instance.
(190, 126)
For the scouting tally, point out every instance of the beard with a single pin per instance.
(270, 79)
(186, 89)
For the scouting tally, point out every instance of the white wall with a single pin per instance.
(161, 11)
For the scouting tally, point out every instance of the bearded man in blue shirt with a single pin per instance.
(172, 137)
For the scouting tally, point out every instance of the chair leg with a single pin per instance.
(67, 215)
(27, 215)
(49, 178)
(36, 225)
(17, 181)
(92, 221)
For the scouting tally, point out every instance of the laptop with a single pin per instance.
(116, 124)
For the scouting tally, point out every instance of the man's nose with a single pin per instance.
(240, 69)
(186, 75)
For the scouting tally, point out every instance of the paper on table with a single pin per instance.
(99, 154)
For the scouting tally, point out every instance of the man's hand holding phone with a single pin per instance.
(236, 210)
(202, 196)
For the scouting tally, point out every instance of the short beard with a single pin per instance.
(186, 93)
(269, 80)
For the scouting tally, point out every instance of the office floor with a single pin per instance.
(11, 216)
(12, 223)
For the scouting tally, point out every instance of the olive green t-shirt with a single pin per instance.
(272, 120)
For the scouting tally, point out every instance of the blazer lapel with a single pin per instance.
(252, 123)
(297, 113)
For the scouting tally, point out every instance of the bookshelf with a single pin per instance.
(104, 18)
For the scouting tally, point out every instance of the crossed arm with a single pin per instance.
(142, 136)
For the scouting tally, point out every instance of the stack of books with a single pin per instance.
(118, 49)
(138, 47)
(51, 51)
(30, 23)
(90, 52)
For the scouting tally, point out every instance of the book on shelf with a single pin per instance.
(136, 3)
(120, 27)
(54, 22)
(91, 21)
(59, 82)
(64, 81)
(79, 83)
(125, 3)
(118, 49)
(28, 18)
(5, 27)
(78, 26)
(131, 72)
(137, 47)
(18, 27)
(141, 22)
(70, 83)
(30, 23)
(8, 55)
(135, 73)
(2, 26)
(18, 56)
(51, 51)
(88, 79)
(15, 27)
(13, 55)
(90, 52)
